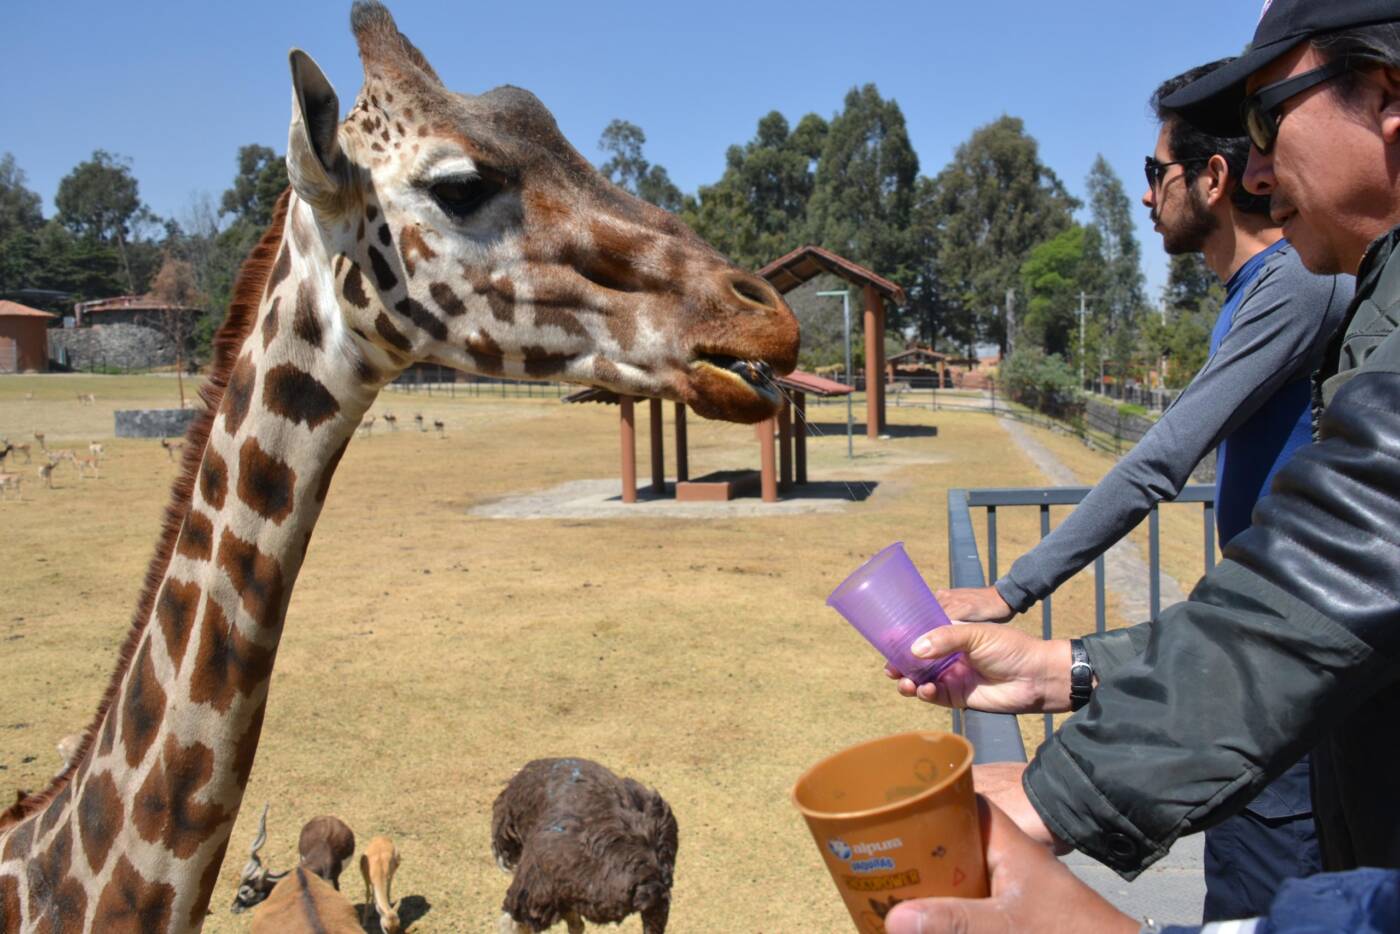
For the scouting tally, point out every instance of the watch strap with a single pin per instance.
(1081, 675)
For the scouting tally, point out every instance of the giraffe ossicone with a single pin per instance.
(424, 226)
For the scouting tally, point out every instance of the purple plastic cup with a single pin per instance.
(890, 605)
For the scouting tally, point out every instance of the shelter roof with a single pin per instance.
(806, 263)
(130, 303)
(917, 353)
(16, 310)
(796, 381)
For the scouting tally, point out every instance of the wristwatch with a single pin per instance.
(1081, 675)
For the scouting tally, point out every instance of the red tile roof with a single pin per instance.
(16, 310)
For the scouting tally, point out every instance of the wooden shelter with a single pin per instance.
(776, 473)
(24, 338)
(806, 263)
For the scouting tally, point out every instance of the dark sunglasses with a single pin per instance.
(1259, 112)
(1156, 171)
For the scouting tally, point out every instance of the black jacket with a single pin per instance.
(1292, 643)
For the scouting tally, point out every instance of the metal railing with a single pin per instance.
(997, 737)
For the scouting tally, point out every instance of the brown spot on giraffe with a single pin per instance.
(226, 662)
(142, 706)
(19, 842)
(129, 904)
(366, 372)
(305, 323)
(196, 540)
(165, 809)
(485, 353)
(109, 733)
(385, 135)
(9, 904)
(53, 815)
(270, 323)
(371, 212)
(354, 287)
(383, 276)
(385, 237)
(257, 577)
(563, 320)
(207, 880)
(424, 319)
(175, 609)
(540, 362)
(265, 483)
(605, 372)
(213, 478)
(500, 295)
(99, 818)
(300, 235)
(280, 269)
(239, 394)
(411, 245)
(56, 897)
(447, 299)
(298, 396)
(391, 334)
(324, 485)
(247, 747)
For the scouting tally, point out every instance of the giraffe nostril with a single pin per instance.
(755, 290)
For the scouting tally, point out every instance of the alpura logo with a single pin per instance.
(864, 857)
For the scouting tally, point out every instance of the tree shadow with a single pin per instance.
(832, 429)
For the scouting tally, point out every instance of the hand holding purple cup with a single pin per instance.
(890, 605)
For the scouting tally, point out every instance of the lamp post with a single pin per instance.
(850, 376)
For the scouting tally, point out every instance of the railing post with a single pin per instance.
(1154, 562)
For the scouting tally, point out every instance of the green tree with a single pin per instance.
(1191, 300)
(757, 211)
(1114, 248)
(21, 216)
(629, 169)
(261, 179)
(863, 191)
(1053, 277)
(100, 200)
(987, 210)
(1191, 285)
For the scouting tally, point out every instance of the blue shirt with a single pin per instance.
(1246, 461)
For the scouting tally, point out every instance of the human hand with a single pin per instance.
(974, 604)
(1002, 670)
(1000, 783)
(1030, 891)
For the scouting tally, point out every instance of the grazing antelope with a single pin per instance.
(304, 903)
(81, 464)
(256, 882)
(378, 863)
(437, 423)
(39, 436)
(86, 398)
(367, 426)
(325, 844)
(418, 420)
(45, 471)
(392, 420)
(11, 481)
(172, 447)
(22, 448)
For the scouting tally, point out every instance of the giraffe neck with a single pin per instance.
(145, 819)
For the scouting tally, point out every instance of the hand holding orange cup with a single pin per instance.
(895, 819)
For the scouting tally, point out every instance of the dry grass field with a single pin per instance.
(428, 653)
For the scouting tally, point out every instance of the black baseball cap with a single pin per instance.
(1213, 102)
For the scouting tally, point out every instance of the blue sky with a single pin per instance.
(178, 87)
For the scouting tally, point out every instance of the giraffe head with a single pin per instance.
(466, 231)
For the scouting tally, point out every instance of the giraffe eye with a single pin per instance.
(460, 197)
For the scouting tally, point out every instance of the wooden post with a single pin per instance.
(682, 446)
(629, 452)
(874, 367)
(658, 450)
(785, 447)
(769, 471)
(799, 401)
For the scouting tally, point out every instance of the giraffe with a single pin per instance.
(424, 226)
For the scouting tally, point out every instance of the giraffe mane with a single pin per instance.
(238, 323)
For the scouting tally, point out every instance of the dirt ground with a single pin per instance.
(430, 652)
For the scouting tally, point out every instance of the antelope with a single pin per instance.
(392, 420)
(45, 471)
(418, 420)
(22, 447)
(367, 426)
(82, 464)
(255, 882)
(325, 844)
(95, 450)
(11, 481)
(378, 863)
(304, 903)
(172, 447)
(39, 436)
(437, 423)
(5, 449)
(86, 398)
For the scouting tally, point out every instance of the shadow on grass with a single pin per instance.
(411, 908)
(833, 429)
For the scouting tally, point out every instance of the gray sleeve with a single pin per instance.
(1278, 334)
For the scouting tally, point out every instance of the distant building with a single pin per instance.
(24, 343)
(129, 332)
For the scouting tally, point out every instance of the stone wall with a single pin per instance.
(153, 423)
(119, 340)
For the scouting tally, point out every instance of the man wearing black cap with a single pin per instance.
(1293, 641)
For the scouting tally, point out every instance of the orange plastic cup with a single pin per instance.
(896, 819)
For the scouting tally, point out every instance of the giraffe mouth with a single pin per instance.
(755, 375)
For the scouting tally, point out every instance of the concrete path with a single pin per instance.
(1173, 889)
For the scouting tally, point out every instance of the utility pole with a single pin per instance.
(1010, 319)
(1081, 339)
(850, 376)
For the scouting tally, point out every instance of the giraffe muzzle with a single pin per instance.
(754, 374)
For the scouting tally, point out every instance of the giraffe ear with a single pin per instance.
(315, 164)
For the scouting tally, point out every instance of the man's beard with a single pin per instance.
(1188, 231)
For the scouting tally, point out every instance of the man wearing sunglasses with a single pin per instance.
(1293, 641)
(1249, 403)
